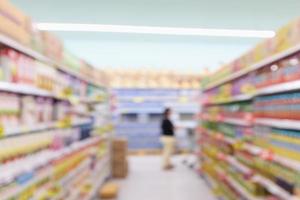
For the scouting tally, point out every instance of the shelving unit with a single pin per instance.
(4, 40)
(276, 88)
(55, 123)
(267, 61)
(138, 114)
(265, 152)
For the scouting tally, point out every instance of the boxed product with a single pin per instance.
(87, 70)
(37, 43)
(16, 67)
(14, 23)
(53, 47)
(9, 110)
(8, 63)
(71, 61)
(45, 76)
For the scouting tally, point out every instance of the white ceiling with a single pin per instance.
(177, 52)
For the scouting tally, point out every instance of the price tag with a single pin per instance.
(73, 100)
(267, 155)
(100, 98)
(219, 136)
(67, 91)
(221, 156)
(249, 118)
(138, 99)
(220, 118)
(65, 123)
(238, 145)
(1, 130)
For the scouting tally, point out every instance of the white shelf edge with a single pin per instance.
(241, 167)
(272, 187)
(24, 89)
(228, 120)
(273, 89)
(241, 97)
(279, 123)
(256, 66)
(293, 164)
(34, 128)
(277, 88)
(234, 121)
(39, 127)
(241, 190)
(38, 56)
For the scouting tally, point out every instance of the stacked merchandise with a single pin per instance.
(143, 78)
(14, 23)
(238, 88)
(119, 158)
(286, 39)
(54, 121)
(250, 123)
(50, 169)
(239, 111)
(17, 32)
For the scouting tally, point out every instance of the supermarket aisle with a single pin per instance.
(148, 182)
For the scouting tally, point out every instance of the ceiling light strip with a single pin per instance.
(71, 27)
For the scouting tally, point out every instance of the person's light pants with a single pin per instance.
(168, 149)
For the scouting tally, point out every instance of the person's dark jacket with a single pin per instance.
(167, 127)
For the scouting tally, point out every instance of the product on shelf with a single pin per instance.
(241, 86)
(152, 79)
(278, 106)
(14, 23)
(280, 141)
(282, 71)
(53, 47)
(9, 110)
(45, 76)
(48, 151)
(16, 67)
(286, 37)
(238, 110)
(37, 42)
(71, 61)
(55, 172)
(260, 159)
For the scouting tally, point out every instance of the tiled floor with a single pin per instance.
(148, 182)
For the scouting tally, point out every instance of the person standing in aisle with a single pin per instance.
(167, 139)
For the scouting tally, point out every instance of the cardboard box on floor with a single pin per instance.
(120, 145)
(120, 170)
(109, 191)
(119, 158)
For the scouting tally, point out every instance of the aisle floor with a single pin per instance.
(148, 182)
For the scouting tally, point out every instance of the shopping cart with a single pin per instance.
(190, 159)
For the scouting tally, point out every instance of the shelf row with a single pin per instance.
(61, 168)
(277, 88)
(34, 91)
(270, 122)
(258, 151)
(263, 63)
(38, 56)
(15, 131)
(251, 174)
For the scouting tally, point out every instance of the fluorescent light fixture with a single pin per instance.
(155, 30)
